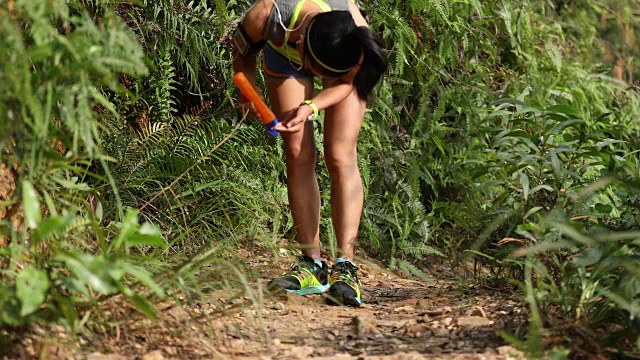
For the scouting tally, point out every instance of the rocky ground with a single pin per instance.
(400, 319)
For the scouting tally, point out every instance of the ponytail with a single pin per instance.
(374, 62)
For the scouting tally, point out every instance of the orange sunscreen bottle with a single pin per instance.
(269, 119)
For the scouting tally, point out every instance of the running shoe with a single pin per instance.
(304, 277)
(345, 286)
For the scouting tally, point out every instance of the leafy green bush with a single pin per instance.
(59, 66)
(487, 176)
(552, 178)
(47, 286)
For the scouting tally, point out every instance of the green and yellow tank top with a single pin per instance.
(287, 13)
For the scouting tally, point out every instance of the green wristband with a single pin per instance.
(313, 106)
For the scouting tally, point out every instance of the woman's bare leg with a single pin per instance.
(300, 150)
(342, 126)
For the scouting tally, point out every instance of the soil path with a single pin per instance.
(399, 319)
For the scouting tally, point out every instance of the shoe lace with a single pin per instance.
(300, 266)
(344, 271)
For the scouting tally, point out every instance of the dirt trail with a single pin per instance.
(399, 319)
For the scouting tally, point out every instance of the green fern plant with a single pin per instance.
(227, 189)
(398, 226)
(163, 82)
(190, 32)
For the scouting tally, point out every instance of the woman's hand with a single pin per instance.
(294, 122)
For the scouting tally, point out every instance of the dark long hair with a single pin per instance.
(336, 44)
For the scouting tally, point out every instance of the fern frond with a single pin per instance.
(477, 7)
(417, 251)
(443, 9)
(163, 82)
(189, 33)
(412, 270)
(148, 141)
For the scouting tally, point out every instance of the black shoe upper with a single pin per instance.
(289, 282)
(345, 281)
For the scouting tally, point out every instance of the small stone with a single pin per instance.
(408, 302)
(100, 356)
(440, 332)
(510, 352)
(416, 329)
(154, 355)
(296, 299)
(474, 321)
(364, 325)
(299, 352)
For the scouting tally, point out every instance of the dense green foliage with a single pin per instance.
(504, 132)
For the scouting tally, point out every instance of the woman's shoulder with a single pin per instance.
(257, 18)
(260, 11)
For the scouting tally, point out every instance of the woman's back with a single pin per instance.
(284, 10)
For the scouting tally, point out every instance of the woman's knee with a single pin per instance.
(341, 162)
(299, 156)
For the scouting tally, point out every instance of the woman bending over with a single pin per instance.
(302, 39)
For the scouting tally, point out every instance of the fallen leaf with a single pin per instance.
(478, 311)
(407, 308)
(447, 321)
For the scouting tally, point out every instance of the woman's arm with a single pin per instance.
(333, 94)
(254, 23)
(253, 26)
(328, 97)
